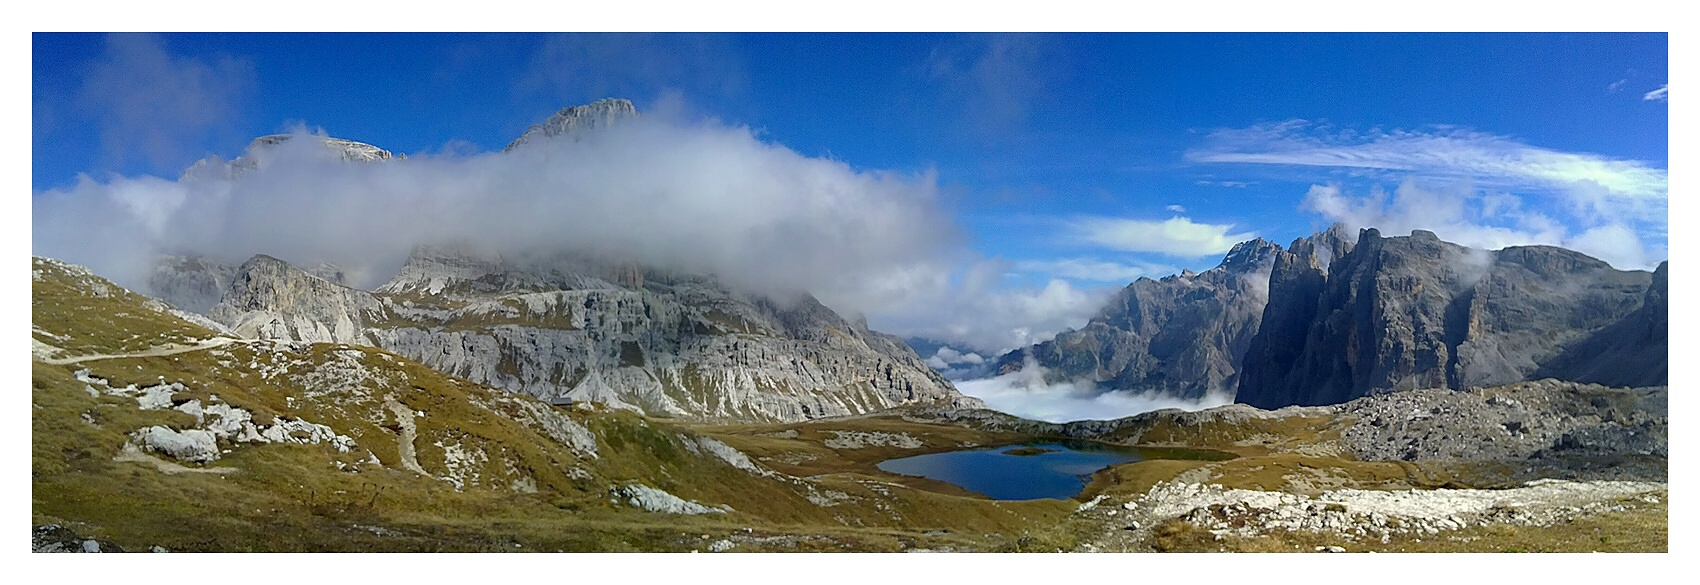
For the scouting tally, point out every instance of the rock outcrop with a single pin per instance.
(1632, 352)
(270, 299)
(1398, 313)
(190, 283)
(678, 345)
(1183, 335)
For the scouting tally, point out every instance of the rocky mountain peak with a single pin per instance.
(1182, 335)
(1319, 250)
(575, 119)
(1406, 312)
(1247, 256)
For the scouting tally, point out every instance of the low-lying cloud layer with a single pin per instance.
(1025, 394)
(702, 197)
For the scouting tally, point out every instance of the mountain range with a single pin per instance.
(1333, 317)
(569, 326)
(1330, 317)
(568, 400)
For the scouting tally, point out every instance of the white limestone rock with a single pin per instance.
(194, 445)
(654, 500)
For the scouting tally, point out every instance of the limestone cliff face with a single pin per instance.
(1633, 352)
(268, 298)
(673, 345)
(1399, 313)
(191, 283)
(1183, 335)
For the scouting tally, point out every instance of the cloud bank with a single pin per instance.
(975, 309)
(1025, 393)
(702, 197)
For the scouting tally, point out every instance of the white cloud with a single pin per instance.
(1025, 393)
(1232, 184)
(1093, 269)
(1658, 95)
(1615, 243)
(700, 197)
(1176, 208)
(977, 310)
(152, 106)
(947, 357)
(1617, 86)
(1178, 237)
(1452, 153)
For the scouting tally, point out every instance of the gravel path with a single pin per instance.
(165, 350)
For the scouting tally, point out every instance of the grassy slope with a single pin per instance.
(277, 497)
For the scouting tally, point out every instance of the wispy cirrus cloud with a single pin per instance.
(1178, 236)
(1658, 95)
(994, 79)
(1470, 187)
(1440, 152)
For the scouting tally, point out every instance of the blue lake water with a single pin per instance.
(1059, 474)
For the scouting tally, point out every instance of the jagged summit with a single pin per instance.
(1248, 255)
(598, 114)
(1181, 335)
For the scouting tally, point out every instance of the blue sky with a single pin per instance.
(1054, 169)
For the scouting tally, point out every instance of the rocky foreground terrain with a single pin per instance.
(1527, 466)
(155, 433)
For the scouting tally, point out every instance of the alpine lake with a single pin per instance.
(1043, 469)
